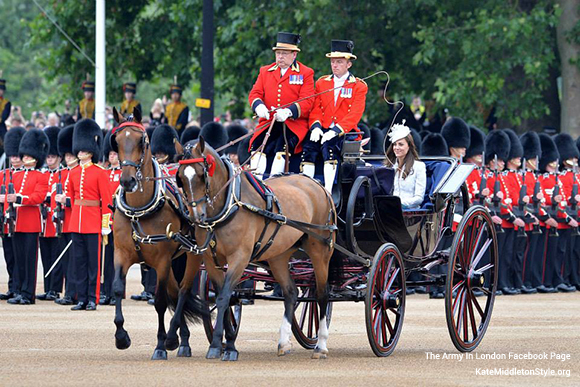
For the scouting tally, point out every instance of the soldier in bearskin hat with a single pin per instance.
(5, 107)
(569, 162)
(278, 85)
(50, 244)
(434, 145)
(474, 155)
(334, 114)
(129, 103)
(89, 195)
(377, 141)
(11, 144)
(176, 112)
(30, 186)
(86, 107)
(457, 135)
(214, 134)
(234, 131)
(190, 133)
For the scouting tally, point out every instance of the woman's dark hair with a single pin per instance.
(410, 158)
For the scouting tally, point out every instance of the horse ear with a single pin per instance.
(178, 148)
(137, 115)
(201, 144)
(118, 118)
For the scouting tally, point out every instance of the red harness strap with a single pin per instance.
(128, 123)
(208, 159)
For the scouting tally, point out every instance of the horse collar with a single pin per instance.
(155, 204)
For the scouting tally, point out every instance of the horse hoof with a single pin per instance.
(214, 353)
(122, 341)
(159, 354)
(284, 349)
(320, 354)
(230, 356)
(171, 343)
(184, 351)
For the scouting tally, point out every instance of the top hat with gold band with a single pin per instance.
(2, 84)
(88, 86)
(175, 88)
(130, 87)
(341, 49)
(287, 41)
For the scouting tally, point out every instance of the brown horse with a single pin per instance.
(202, 175)
(144, 210)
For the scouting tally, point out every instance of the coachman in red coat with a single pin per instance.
(273, 97)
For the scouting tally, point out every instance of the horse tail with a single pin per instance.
(194, 309)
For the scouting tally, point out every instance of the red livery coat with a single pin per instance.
(30, 186)
(349, 107)
(273, 90)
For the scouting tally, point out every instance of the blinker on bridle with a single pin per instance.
(209, 165)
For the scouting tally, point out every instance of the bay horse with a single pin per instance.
(145, 212)
(236, 225)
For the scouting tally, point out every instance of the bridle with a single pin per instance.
(144, 145)
(209, 165)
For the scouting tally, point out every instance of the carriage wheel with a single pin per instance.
(306, 321)
(473, 263)
(207, 293)
(385, 300)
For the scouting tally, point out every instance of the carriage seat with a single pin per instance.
(436, 170)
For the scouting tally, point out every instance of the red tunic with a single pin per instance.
(5, 184)
(273, 90)
(52, 180)
(65, 173)
(348, 109)
(505, 204)
(473, 182)
(88, 187)
(547, 182)
(30, 187)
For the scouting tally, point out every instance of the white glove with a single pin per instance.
(283, 114)
(329, 135)
(262, 111)
(105, 231)
(316, 134)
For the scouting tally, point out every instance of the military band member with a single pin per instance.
(129, 103)
(88, 192)
(68, 263)
(11, 144)
(5, 107)
(50, 244)
(30, 186)
(474, 155)
(176, 112)
(280, 84)
(86, 107)
(336, 111)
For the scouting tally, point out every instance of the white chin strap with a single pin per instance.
(258, 164)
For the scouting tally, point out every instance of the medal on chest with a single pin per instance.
(346, 92)
(296, 79)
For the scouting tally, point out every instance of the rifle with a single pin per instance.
(535, 200)
(3, 192)
(11, 212)
(554, 207)
(58, 217)
(521, 208)
(573, 204)
(495, 200)
(483, 183)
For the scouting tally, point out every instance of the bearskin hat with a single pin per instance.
(566, 147)
(516, 148)
(549, 151)
(377, 142)
(107, 145)
(149, 132)
(88, 137)
(531, 144)
(578, 143)
(52, 134)
(214, 134)
(434, 144)
(497, 143)
(456, 133)
(476, 144)
(234, 131)
(243, 150)
(12, 140)
(65, 137)
(366, 133)
(416, 139)
(189, 133)
(35, 143)
(163, 141)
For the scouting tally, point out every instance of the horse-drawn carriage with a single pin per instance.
(358, 245)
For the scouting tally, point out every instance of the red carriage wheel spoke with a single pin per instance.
(480, 254)
(392, 279)
(389, 325)
(478, 307)
(458, 285)
(385, 324)
(464, 318)
(460, 308)
(395, 311)
(455, 304)
(472, 316)
(310, 319)
(386, 273)
(484, 268)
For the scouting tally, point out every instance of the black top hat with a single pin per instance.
(434, 144)
(35, 144)
(88, 137)
(235, 131)
(52, 134)
(531, 144)
(549, 151)
(12, 140)
(130, 87)
(88, 86)
(456, 133)
(163, 140)
(190, 133)
(214, 134)
(341, 49)
(65, 140)
(497, 143)
(287, 41)
(2, 84)
(566, 147)
(516, 148)
(476, 142)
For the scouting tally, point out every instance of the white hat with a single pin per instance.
(399, 131)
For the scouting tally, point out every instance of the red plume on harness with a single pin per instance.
(127, 123)
(208, 160)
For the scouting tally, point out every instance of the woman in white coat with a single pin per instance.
(410, 176)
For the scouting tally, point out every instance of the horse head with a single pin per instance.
(201, 171)
(130, 141)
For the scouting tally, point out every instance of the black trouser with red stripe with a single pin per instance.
(515, 278)
(86, 254)
(68, 265)
(550, 258)
(533, 259)
(505, 244)
(9, 258)
(50, 249)
(25, 246)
